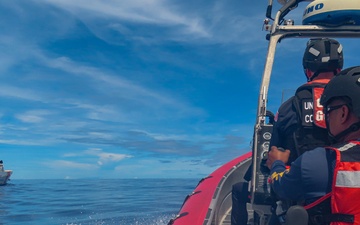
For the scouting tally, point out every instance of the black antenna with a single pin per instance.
(269, 10)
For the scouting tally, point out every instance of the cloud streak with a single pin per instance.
(156, 12)
(178, 21)
(63, 164)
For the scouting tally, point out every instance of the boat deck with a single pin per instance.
(226, 220)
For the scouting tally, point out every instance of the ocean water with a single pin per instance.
(80, 202)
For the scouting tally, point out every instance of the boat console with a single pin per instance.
(262, 194)
(321, 19)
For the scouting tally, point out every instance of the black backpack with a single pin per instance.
(311, 131)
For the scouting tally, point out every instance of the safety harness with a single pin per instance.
(340, 206)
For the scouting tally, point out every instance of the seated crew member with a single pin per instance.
(300, 124)
(327, 179)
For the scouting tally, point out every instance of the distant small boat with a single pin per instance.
(4, 174)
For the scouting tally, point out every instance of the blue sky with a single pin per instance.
(135, 89)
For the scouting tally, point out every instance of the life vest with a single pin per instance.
(311, 130)
(342, 205)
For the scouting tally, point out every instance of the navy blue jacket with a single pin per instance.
(286, 123)
(309, 177)
(284, 127)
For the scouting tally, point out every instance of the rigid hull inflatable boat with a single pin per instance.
(210, 202)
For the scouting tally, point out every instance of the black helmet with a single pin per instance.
(344, 84)
(322, 55)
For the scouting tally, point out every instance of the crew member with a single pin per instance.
(327, 180)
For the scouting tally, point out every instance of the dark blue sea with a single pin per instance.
(80, 202)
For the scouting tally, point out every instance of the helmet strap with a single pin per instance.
(314, 75)
(336, 71)
(336, 138)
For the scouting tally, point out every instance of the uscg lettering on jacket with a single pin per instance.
(307, 112)
(318, 109)
(312, 110)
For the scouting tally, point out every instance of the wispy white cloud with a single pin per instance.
(101, 157)
(121, 89)
(181, 168)
(157, 12)
(17, 142)
(212, 23)
(21, 93)
(33, 116)
(63, 164)
(106, 157)
(117, 82)
(162, 136)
